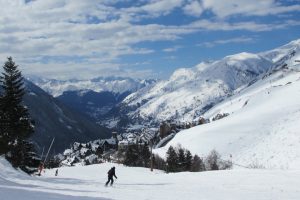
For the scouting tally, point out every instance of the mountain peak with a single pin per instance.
(243, 56)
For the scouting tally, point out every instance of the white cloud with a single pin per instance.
(218, 25)
(172, 49)
(193, 8)
(156, 8)
(239, 40)
(248, 8)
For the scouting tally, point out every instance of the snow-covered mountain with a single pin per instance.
(263, 125)
(54, 119)
(94, 98)
(111, 84)
(189, 92)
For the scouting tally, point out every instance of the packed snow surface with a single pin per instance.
(87, 183)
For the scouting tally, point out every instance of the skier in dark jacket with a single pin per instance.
(111, 173)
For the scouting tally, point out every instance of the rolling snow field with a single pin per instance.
(87, 183)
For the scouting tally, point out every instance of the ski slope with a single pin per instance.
(262, 127)
(87, 183)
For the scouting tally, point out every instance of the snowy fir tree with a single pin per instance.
(15, 123)
(188, 160)
(172, 160)
(137, 155)
(197, 164)
(181, 159)
(24, 156)
(132, 155)
(146, 154)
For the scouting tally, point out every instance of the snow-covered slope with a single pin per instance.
(276, 54)
(87, 183)
(189, 92)
(111, 84)
(263, 125)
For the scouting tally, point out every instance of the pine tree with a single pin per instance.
(3, 128)
(172, 160)
(54, 162)
(145, 155)
(197, 164)
(15, 123)
(181, 159)
(99, 151)
(132, 155)
(188, 160)
(24, 157)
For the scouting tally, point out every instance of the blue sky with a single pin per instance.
(147, 38)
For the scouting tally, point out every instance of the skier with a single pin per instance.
(41, 167)
(56, 172)
(111, 174)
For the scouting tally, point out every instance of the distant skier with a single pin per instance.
(111, 173)
(41, 167)
(56, 172)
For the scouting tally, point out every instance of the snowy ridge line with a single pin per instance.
(116, 85)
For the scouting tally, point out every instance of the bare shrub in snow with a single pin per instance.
(211, 161)
(256, 165)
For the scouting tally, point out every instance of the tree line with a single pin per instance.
(178, 159)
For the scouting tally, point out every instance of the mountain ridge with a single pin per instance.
(54, 119)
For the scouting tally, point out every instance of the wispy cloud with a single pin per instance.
(172, 49)
(239, 40)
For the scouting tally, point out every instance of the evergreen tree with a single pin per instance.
(15, 123)
(197, 164)
(99, 151)
(132, 155)
(145, 153)
(3, 128)
(181, 159)
(24, 157)
(172, 160)
(54, 162)
(188, 160)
